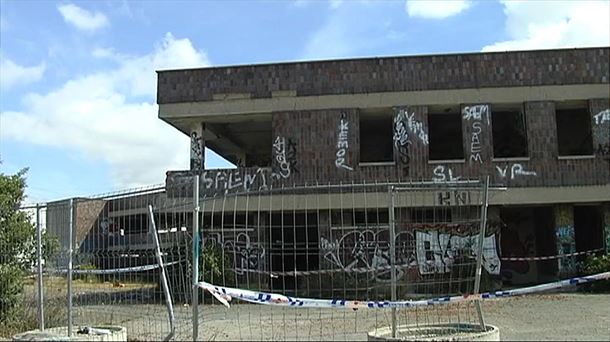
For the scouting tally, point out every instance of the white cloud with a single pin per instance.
(13, 74)
(437, 9)
(339, 37)
(81, 18)
(96, 115)
(544, 24)
(335, 3)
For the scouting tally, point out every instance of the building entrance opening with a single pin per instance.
(588, 228)
(527, 232)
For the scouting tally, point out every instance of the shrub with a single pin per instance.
(11, 288)
(597, 264)
(87, 277)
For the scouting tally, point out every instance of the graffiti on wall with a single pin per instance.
(443, 174)
(342, 144)
(476, 114)
(196, 151)
(516, 170)
(247, 255)
(371, 250)
(427, 251)
(284, 156)
(455, 197)
(566, 245)
(234, 180)
(401, 140)
(602, 117)
(416, 127)
(438, 252)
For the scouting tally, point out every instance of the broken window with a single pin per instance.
(509, 134)
(574, 132)
(376, 144)
(445, 136)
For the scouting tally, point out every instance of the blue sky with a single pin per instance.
(78, 82)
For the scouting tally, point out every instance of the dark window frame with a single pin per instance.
(566, 122)
(437, 138)
(508, 137)
(382, 125)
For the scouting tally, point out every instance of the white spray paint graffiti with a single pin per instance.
(415, 126)
(246, 255)
(235, 180)
(440, 174)
(437, 252)
(401, 140)
(476, 113)
(429, 252)
(515, 170)
(601, 117)
(279, 151)
(196, 151)
(369, 249)
(342, 144)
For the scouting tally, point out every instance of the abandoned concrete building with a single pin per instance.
(536, 122)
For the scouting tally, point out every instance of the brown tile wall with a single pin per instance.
(476, 70)
(315, 135)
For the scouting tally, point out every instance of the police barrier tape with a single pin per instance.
(121, 270)
(550, 257)
(225, 294)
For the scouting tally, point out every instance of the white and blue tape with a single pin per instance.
(225, 294)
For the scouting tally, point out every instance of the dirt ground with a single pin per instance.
(558, 316)
(565, 316)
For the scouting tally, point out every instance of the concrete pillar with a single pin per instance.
(197, 148)
(606, 213)
(564, 233)
(411, 131)
(600, 127)
(476, 128)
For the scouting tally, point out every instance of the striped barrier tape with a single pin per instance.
(276, 274)
(225, 295)
(121, 270)
(551, 257)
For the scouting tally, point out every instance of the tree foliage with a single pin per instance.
(17, 241)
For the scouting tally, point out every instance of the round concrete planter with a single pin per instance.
(117, 333)
(436, 332)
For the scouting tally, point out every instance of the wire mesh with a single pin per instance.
(333, 242)
(374, 255)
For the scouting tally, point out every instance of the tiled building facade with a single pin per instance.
(536, 122)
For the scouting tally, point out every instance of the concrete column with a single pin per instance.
(564, 233)
(411, 131)
(600, 127)
(606, 213)
(476, 132)
(197, 148)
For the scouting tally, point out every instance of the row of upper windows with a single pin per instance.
(445, 139)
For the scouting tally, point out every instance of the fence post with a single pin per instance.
(392, 255)
(70, 252)
(168, 296)
(477, 278)
(195, 249)
(39, 261)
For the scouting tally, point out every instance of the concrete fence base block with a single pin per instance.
(94, 333)
(437, 332)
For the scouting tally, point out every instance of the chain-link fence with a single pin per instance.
(312, 262)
